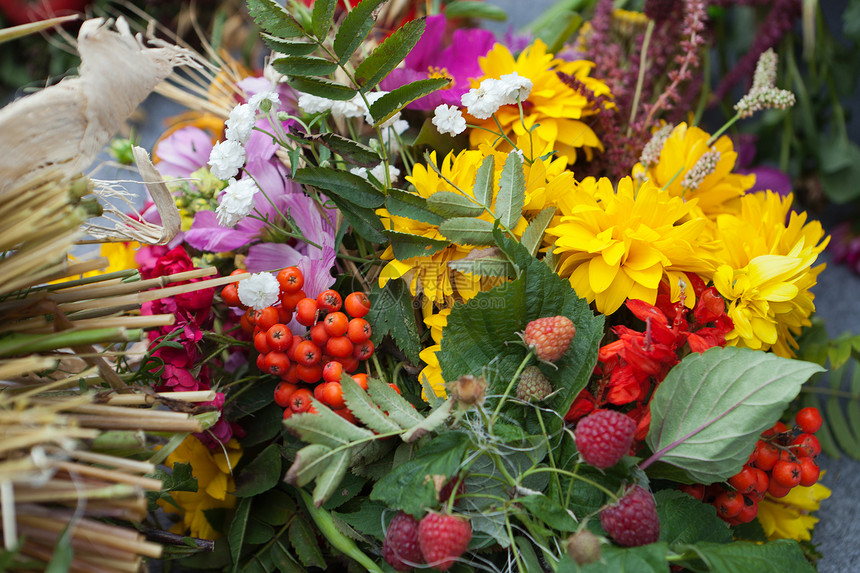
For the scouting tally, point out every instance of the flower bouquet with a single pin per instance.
(488, 305)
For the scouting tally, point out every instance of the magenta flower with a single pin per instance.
(458, 61)
(183, 152)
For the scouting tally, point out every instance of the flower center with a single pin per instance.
(436, 72)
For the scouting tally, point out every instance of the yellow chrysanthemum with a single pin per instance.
(433, 372)
(620, 244)
(431, 274)
(766, 271)
(213, 471)
(789, 517)
(120, 257)
(560, 110)
(720, 190)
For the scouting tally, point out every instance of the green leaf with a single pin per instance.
(353, 151)
(354, 29)
(435, 419)
(744, 556)
(684, 519)
(527, 554)
(404, 204)
(310, 462)
(303, 538)
(61, 560)
(236, 533)
(406, 246)
(350, 486)
(549, 512)
(712, 407)
(388, 54)
(364, 220)
(512, 191)
(474, 9)
(477, 336)
(488, 262)
(453, 204)
(397, 407)
(328, 481)
(392, 313)
(304, 66)
(264, 425)
(366, 519)
(385, 107)
(467, 231)
(326, 428)
(644, 559)
(348, 186)
(273, 19)
(262, 474)
(257, 532)
(274, 507)
(322, 88)
(283, 559)
(286, 47)
(363, 407)
(533, 235)
(483, 188)
(321, 19)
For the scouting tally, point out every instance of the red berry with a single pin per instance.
(329, 301)
(292, 374)
(729, 504)
(744, 481)
(261, 344)
(276, 363)
(309, 374)
(333, 371)
(776, 490)
(318, 334)
(363, 350)
(306, 311)
(318, 392)
(338, 346)
(358, 330)
(300, 401)
(762, 483)
(749, 511)
(448, 489)
(289, 300)
(266, 318)
(809, 472)
(766, 455)
(308, 353)
(350, 364)
(632, 520)
(550, 337)
(288, 413)
(285, 315)
(333, 394)
(283, 391)
(809, 420)
(443, 538)
(230, 295)
(346, 414)
(806, 446)
(290, 279)
(278, 337)
(786, 473)
(604, 437)
(401, 549)
(336, 323)
(356, 304)
(361, 380)
(291, 352)
(697, 490)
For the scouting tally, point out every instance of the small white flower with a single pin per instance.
(449, 119)
(226, 158)
(314, 104)
(237, 202)
(264, 100)
(360, 171)
(398, 127)
(348, 109)
(513, 87)
(240, 124)
(259, 291)
(379, 173)
(485, 100)
(371, 99)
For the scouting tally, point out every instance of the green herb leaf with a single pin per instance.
(328, 481)
(483, 188)
(549, 512)
(397, 407)
(436, 418)
(644, 559)
(353, 151)
(364, 220)
(303, 538)
(687, 520)
(533, 235)
(385, 107)
(273, 19)
(262, 474)
(355, 28)
(310, 462)
(712, 407)
(412, 206)
(389, 54)
(286, 47)
(512, 191)
(321, 19)
(392, 313)
(326, 428)
(452, 204)
(304, 66)
(363, 407)
(322, 88)
(274, 507)
(236, 533)
(743, 556)
(474, 9)
(351, 187)
(467, 231)
(406, 245)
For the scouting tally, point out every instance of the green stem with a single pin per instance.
(640, 81)
(571, 475)
(520, 565)
(549, 452)
(19, 343)
(510, 387)
(723, 129)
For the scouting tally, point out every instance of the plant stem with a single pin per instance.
(510, 387)
(572, 475)
(640, 81)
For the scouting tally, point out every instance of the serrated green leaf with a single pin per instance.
(322, 16)
(489, 262)
(286, 47)
(527, 554)
(355, 28)
(474, 9)
(684, 519)
(399, 410)
(309, 463)
(283, 559)
(364, 220)
(644, 559)
(328, 481)
(236, 533)
(366, 519)
(342, 183)
(744, 556)
(363, 407)
(385, 107)
(258, 532)
(512, 191)
(533, 235)
(326, 428)
(303, 538)
(549, 512)
(274, 507)
(452, 204)
(435, 419)
(353, 151)
(406, 246)
(273, 19)
(262, 474)
(467, 231)
(483, 188)
(349, 487)
(321, 87)
(388, 54)
(391, 313)
(839, 426)
(305, 66)
(729, 396)
(404, 204)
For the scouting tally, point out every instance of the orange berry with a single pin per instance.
(300, 401)
(309, 374)
(283, 391)
(336, 323)
(276, 363)
(308, 353)
(364, 350)
(357, 304)
(358, 330)
(329, 301)
(333, 371)
(339, 347)
(266, 318)
(230, 295)
(306, 311)
(278, 337)
(333, 394)
(289, 300)
(361, 380)
(291, 279)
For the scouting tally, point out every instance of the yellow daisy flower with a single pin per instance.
(719, 191)
(789, 517)
(433, 372)
(620, 244)
(561, 111)
(120, 257)
(766, 271)
(214, 473)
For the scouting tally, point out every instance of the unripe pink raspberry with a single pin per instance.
(550, 336)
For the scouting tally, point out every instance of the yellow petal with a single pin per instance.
(393, 270)
(601, 274)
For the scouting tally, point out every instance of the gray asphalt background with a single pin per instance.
(837, 535)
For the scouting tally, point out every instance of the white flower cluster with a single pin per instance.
(764, 94)
(448, 119)
(485, 100)
(348, 109)
(228, 156)
(237, 202)
(378, 172)
(259, 291)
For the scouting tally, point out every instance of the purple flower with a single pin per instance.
(183, 152)
(459, 61)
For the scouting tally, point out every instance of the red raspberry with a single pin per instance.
(633, 520)
(604, 437)
(443, 538)
(400, 548)
(550, 336)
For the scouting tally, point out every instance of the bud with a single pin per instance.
(583, 547)
(468, 390)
